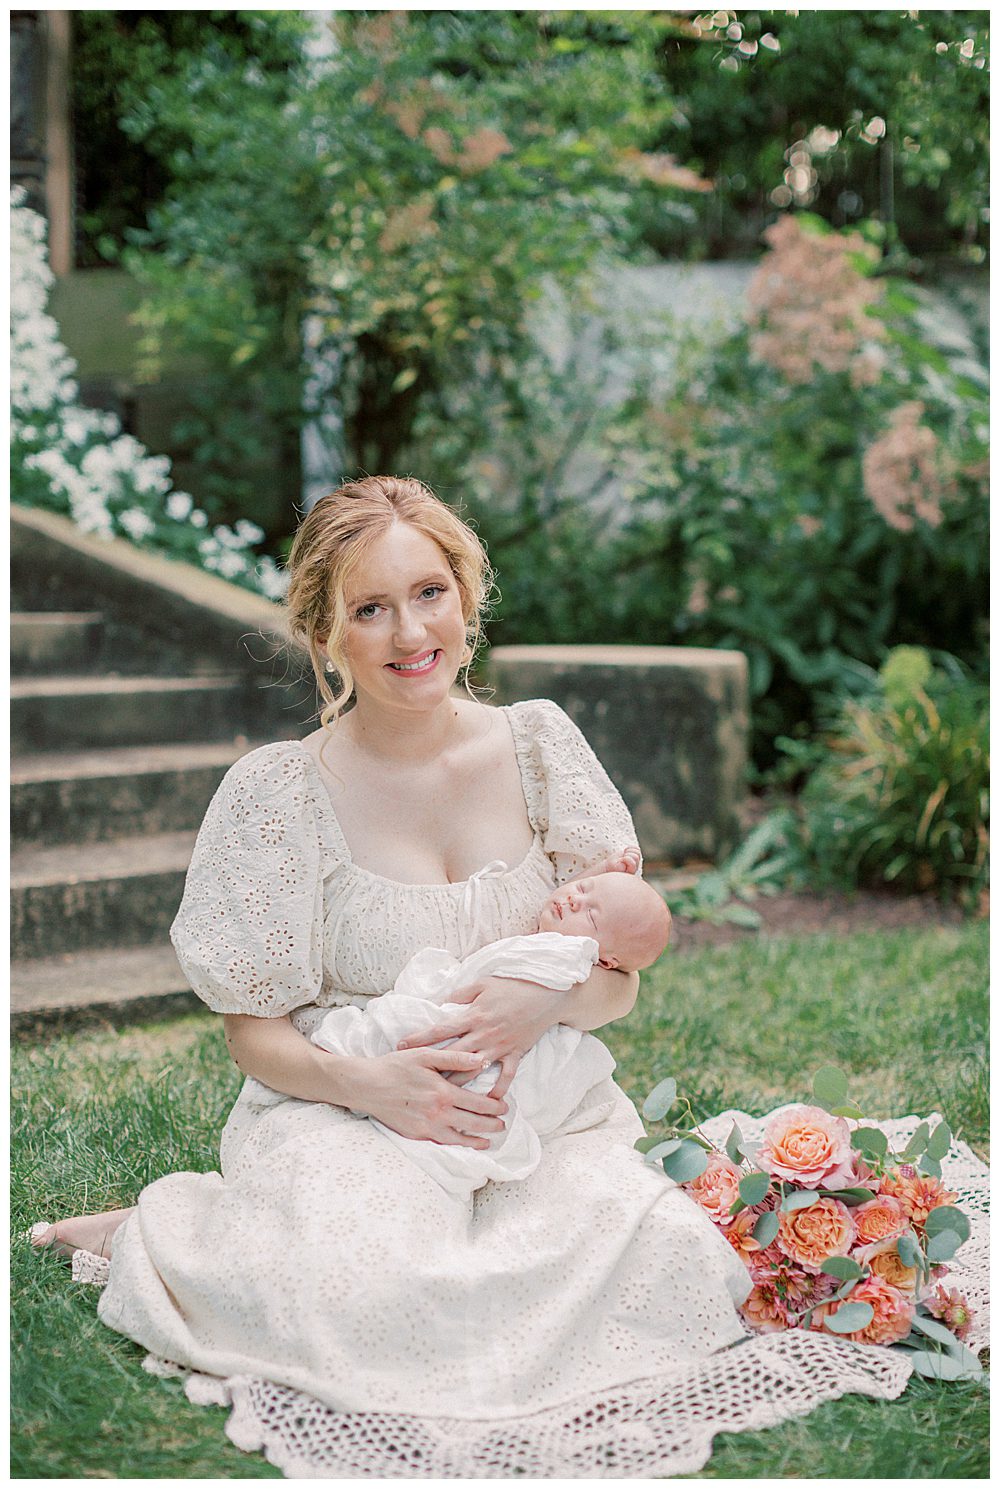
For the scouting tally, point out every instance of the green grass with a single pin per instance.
(95, 1117)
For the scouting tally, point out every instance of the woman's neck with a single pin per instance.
(403, 738)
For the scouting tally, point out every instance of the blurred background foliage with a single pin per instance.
(357, 230)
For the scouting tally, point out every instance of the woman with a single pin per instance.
(359, 1318)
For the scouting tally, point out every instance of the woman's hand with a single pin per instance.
(409, 1092)
(504, 1018)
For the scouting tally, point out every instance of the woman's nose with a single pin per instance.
(409, 628)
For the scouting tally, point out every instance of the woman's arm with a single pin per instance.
(409, 1091)
(606, 995)
(505, 1016)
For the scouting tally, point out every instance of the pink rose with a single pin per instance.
(807, 1146)
(717, 1189)
(892, 1316)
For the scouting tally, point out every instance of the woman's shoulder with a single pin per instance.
(531, 715)
(269, 776)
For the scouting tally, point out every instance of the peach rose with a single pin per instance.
(881, 1219)
(717, 1189)
(893, 1312)
(918, 1193)
(823, 1229)
(885, 1261)
(809, 1147)
(739, 1234)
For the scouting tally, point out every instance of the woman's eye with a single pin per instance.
(433, 590)
(366, 611)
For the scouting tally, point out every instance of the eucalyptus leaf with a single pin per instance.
(733, 1142)
(669, 1145)
(830, 1086)
(846, 1288)
(686, 1162)
(753, 1188)
(660, 1100)
(930, 1166)
(849, 1109)
(937, 1365)
(799, 1199)
(917, 1143)
(850, 1318)
(644, 1143)
(941, 1247)
(939, 1141)
(843, 1267)
(909, 1251)
(766, 1228)
(947, 1217)
(854, 1196)
(935, 1329)
(871, 1141)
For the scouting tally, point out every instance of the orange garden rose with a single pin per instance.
(885, 1262)
(893, 1312)
(809, 1236)
(717, 1189)
(807, 1146)
(918, 1193)
(880, 1219)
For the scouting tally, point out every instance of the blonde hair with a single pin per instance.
(330, 547)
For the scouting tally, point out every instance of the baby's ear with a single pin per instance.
(609, 962)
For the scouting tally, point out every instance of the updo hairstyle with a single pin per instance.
(330, 548)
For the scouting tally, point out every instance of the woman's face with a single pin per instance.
(405, 636)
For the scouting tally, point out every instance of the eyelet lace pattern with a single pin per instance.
(578, 1323)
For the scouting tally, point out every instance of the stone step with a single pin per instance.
(54, 641)
(114, 986)
(84, 897)
(99, 795)
(66, 713)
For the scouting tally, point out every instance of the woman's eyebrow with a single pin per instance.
(367, 599)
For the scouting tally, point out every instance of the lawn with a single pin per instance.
(96, 1116)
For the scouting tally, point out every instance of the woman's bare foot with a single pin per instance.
(91, 1233)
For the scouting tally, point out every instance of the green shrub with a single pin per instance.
(903, 797)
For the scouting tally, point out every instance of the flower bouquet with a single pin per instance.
(838, 1232)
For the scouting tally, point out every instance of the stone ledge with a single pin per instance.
(175, 604)
(670, 724)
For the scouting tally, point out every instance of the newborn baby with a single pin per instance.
(608, 917)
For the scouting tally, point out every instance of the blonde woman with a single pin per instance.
(358, 1318)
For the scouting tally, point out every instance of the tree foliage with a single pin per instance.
(819, 108)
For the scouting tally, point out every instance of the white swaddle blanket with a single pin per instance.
(550, 1082)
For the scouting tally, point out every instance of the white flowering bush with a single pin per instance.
(77, 461)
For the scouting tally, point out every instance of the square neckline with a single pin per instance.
(328, 813)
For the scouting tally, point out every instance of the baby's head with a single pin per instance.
(625, 915)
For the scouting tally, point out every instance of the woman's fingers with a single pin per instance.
(452, 1030)
(474, 1101)
(508, 1070)
(452, 1059)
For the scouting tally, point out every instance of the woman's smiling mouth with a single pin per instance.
(424, 663)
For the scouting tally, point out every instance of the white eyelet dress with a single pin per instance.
(360, 1320)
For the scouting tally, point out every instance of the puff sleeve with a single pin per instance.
(249, 931)
(572, 802)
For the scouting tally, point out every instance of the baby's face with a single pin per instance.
(613, 908)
